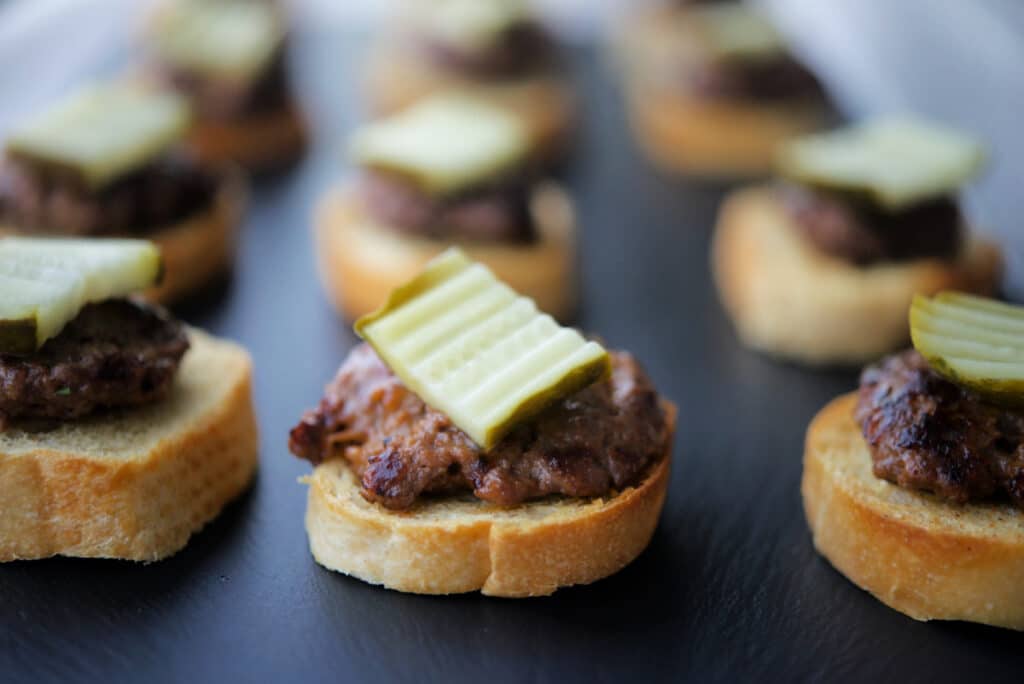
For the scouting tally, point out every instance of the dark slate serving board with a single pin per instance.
(729, 589)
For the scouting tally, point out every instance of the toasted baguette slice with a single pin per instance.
(258, 143)
(705, 137)
(135, 484)
(360, 263)
(788, 298)
(457, 545)
(202, 247)
(927, 558)
(398, 76)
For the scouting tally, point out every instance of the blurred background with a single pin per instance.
(955, 61)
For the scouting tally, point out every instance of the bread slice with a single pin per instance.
(788, 298)
(698, 136)
(134, 484)
(361, 263)
(202, 247)
(927, 558)
(258, 143)
(456, 545)
(397, 76)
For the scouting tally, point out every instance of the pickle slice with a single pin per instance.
(443, 144)
(896, 162)
(102, 132)
(224, 38)
(472, 348)
(46, 282)
(974, 341)
(472, 24)
(733, 31)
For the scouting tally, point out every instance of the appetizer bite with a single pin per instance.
(493, 49)
(712, 88)
(914, 486)
(449, 169)
(122, 432)
(474, 444)
(107, 161)
(821, 265)
(229, 58)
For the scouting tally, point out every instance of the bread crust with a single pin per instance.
(258, 143)
(360, 263)
(922, 556)
(685, 133)
(199, 249)
(397, 76)
(135, 484)
(699, 136)
(458, 545)
(789, 299)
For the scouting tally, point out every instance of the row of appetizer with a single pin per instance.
(474, 443)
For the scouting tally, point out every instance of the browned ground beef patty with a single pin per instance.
(857, 231)
(224, 99)
(520, 51)
(928, 433)
(167, 191)
(603, 438)
(496, 212)
(116, 353)
(779, 79)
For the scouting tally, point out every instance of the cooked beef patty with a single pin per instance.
(857, 231)
(116, 353)
(496, 212)
(928, 433)
(224, 99)
(520, 51)
(780, 79)
(167, 191)
(603, 438)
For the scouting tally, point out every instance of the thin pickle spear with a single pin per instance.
(473, 349)
(976, 342)
(45, 282)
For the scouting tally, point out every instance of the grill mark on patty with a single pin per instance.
(928, 433)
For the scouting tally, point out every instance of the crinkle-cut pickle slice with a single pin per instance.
(224, 38)
(103, 132)
(735, 31)
(973, 341)
(45, 282)
(895, 162)
(443, 144)
(472, 348)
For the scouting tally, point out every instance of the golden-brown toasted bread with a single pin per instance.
(789, 299)
(456, 545)
(360, 263)
(688, 134)
(202, 247)
(133, 484)
(925, 557)
(259, 142)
